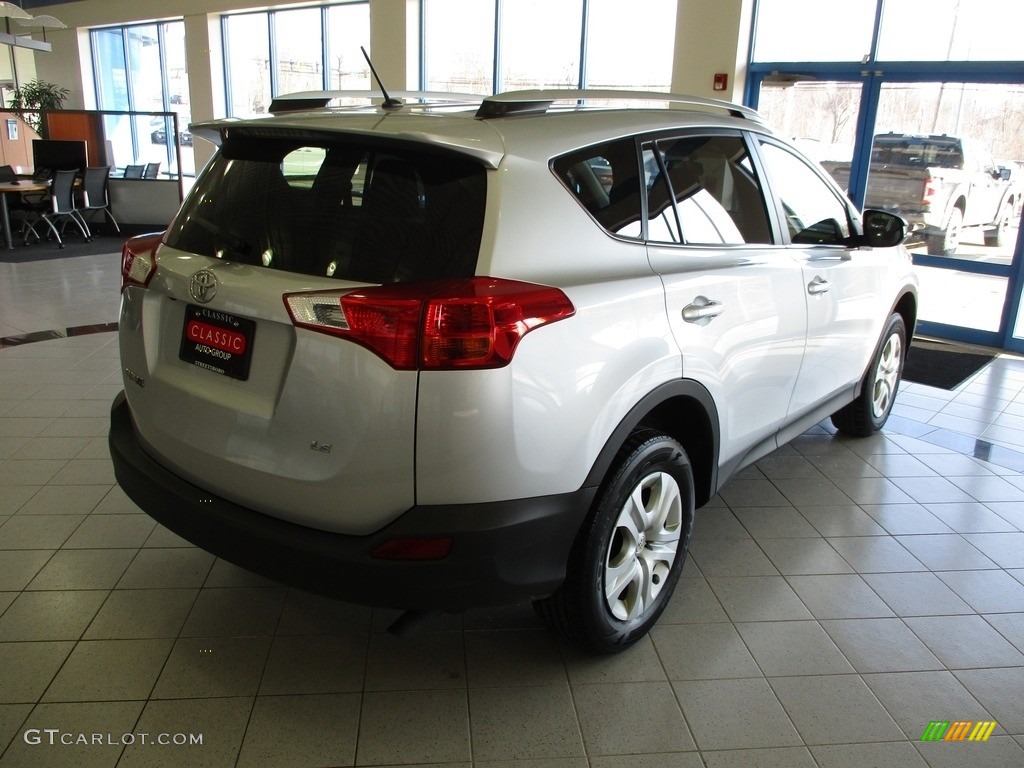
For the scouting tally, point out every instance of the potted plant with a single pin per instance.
(36, 96)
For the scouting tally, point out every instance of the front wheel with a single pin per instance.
(629, 553)
(869, 412)
(997, 237)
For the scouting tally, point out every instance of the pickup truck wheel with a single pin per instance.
(997, 236)
(945, 243)
(629, 553)
(868, 413)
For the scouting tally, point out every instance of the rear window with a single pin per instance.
(917, 152)
(351, 211)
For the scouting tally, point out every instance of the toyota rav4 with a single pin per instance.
(438, 355)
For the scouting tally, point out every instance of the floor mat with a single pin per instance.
(943, 365)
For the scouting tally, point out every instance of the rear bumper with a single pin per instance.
(503, 552)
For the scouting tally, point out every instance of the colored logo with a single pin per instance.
(958, 730)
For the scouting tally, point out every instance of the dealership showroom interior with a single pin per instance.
(852, 591)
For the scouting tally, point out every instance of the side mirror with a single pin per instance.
(883, 229)
(1003, 173)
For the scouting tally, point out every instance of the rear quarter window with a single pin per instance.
(605, 180)
(350, 211)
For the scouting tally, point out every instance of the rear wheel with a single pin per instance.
(945, 243)
(629, 553)
(868, 413)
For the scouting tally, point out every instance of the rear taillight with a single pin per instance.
(138, 259)
(931, 189)
(447, 325)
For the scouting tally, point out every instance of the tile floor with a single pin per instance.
(840, 596)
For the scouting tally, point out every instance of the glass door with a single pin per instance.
(943, 157)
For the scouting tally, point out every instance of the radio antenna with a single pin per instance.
(389, 103)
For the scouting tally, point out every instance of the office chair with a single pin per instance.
(59, 206)
(96, 193)
(134, 171)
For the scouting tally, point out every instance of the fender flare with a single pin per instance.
(676, 389)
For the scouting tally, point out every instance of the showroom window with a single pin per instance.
(474, 46)
(142, 68)
(268, 53)
(851, 81)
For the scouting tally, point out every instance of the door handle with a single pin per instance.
(818, 285)
(702, 310)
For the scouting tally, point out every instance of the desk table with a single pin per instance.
(8, 188)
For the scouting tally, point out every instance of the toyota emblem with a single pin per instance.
(203, 286)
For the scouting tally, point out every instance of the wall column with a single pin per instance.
(712, 36)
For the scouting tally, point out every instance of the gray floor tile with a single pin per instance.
(759, 598)
(999, 692)
(783, 757)
(631, 718)
(988, 591)
(945, 552)
(703, 652)
(523, 723)
(875, 554)
(508, 659)
(413, 727)
(317, 664)
(791, 648)
(836, 709)
(303, 730)
(64, 500)
(60, 615)
(83, 569)
(914, 699)
(998, 752)
(1006, 549)
(843, 596)
(167, 568)
(220, 723)
(965, 642)
(892, 755)
(141, 613)
(735, 714)
(109, 670)
(213, 667)
(29, 668)
(880, 645)
(804, 556)
(19, 567)
(235, 612)
(917, 594)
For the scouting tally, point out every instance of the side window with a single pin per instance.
(814, 213)
(606, 181)
(703, 190)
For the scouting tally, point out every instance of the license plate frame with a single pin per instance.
(217, 341)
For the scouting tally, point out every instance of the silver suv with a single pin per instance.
(444, 355)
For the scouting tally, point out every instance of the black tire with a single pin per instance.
(945, 243)
(639, 528)
(869, 412)
(997, 236)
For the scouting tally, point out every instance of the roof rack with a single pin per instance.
(306, 100)
(534, 102)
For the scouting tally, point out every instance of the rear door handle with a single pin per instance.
(818, 285)
(702, 310)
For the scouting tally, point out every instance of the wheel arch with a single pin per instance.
(685, 411)
(907, 307)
